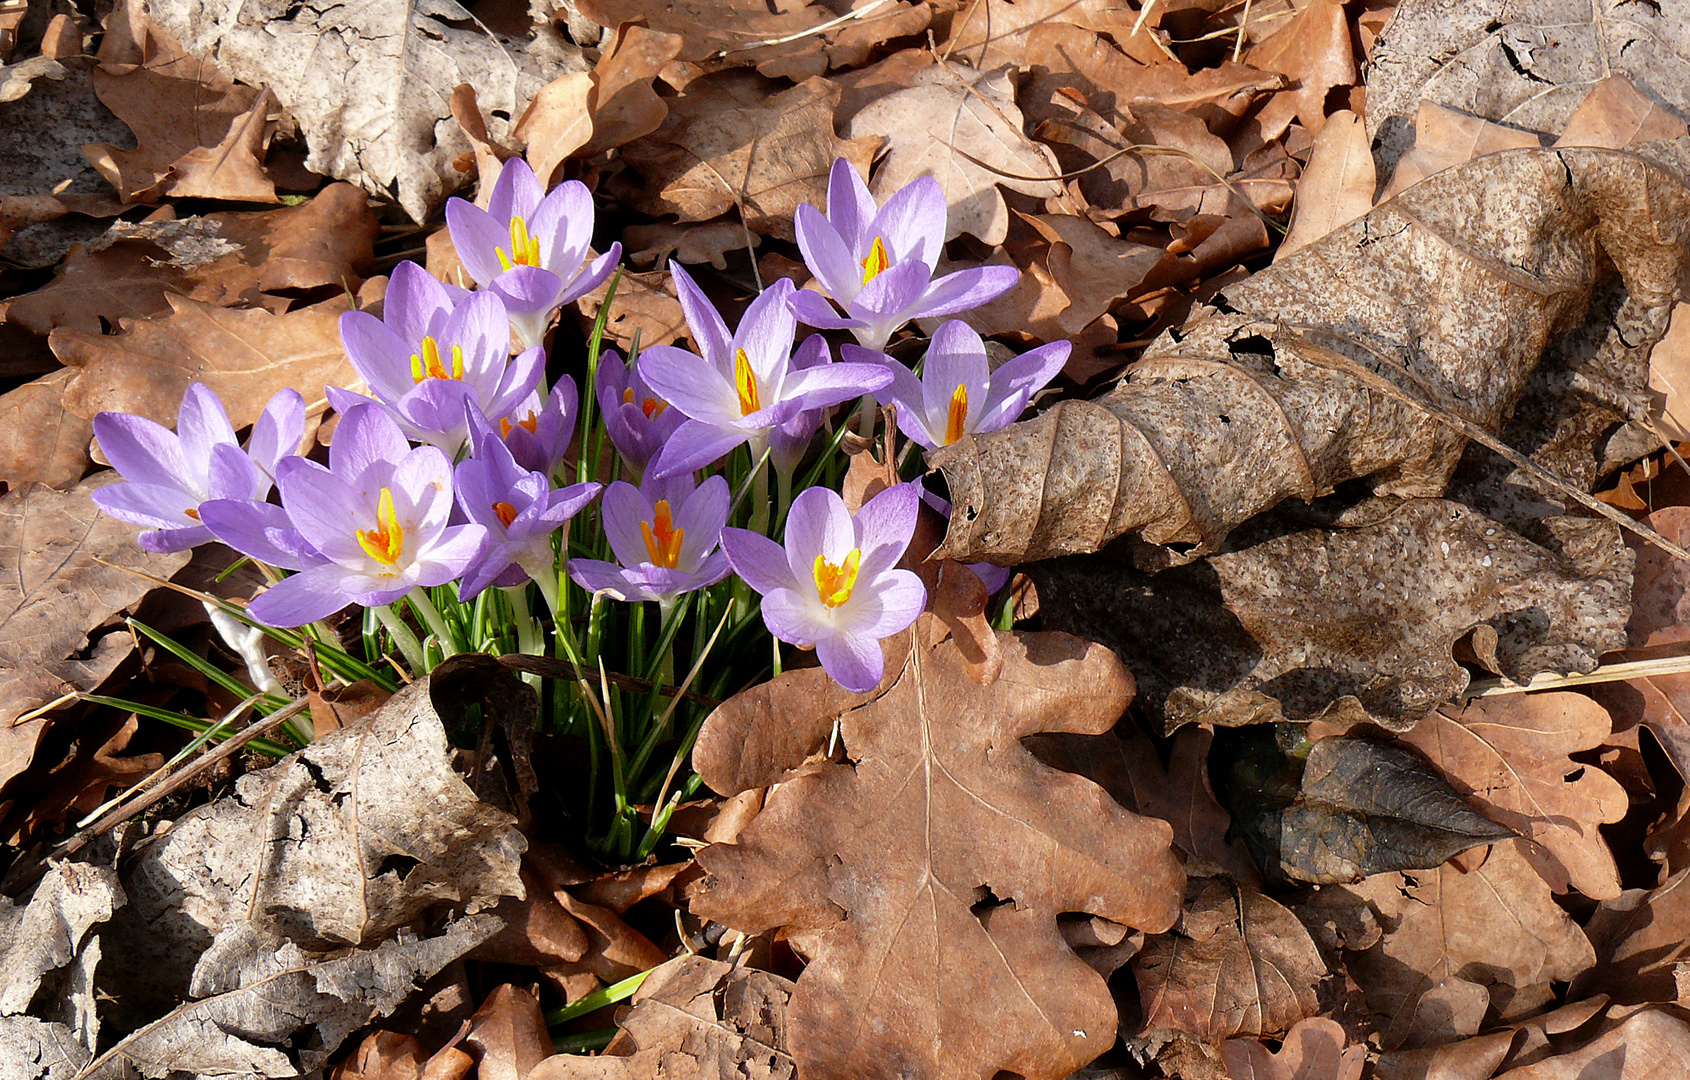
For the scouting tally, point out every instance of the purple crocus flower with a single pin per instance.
(877, 263)
(959, 393)
(834, 585)
(520, 512)
(529, 247)
(664, 534)
(433, 353)
(168, 474)
(745, 383)
(788, 442)
(536, 433)
(377, 516)
(638, 421)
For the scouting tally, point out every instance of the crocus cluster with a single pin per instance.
(454, 461)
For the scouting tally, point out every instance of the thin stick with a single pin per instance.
(1621, 672)
(821, 28)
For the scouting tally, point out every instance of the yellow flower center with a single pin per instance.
(662, 539)
(427, 364)
(956, 422)
(384, 542)
(650, 406)
(506, 513)
(745, 381)
(835, 582)
(875, 261)
(530, 424)
(525, 249)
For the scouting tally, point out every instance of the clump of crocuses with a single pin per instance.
(460, 478)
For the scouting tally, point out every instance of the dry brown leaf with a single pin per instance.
(727, 142)
(645, 304)
(383, 1055)
(1616, 115)
(507, 1035)
(1313, 51)
(962, 128)
(782, 39)
(1649, 1045)
(989, 34)
(1496, 927)
(1236, 963)
(1512, 756)
(1641, 939)
(128, 279)
(1669, 376)
(1444, 138)
(1314, 1049)
(196, 128)
(558, 122)
(1528, 65)
(1092, 268)
(243, 356)
(1338, 185)
(709, 242)
(53, 594)
(943, 868)
(1276, 396)
(697, 1018)
(1358, 619)
(624, 105)
(83, 783)
(41, 442)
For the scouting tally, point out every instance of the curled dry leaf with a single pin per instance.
(70, 571)
(1355, 807)
(1641, 938)
(1511, 755)
(961, 127)
(693, 1017)
(1648, 1044)
(1313, 51)
(1334, 364)
(1497, 927)
(624, 104)
(1355, 621)
(1444, 138)
(370, 87)
(1236, 963)
(645, 304)
(46, 933)
(507, 1035)
(1314, 1049)
(928, 868)
(728, 143)
(384, 833)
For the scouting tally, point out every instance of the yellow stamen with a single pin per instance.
(745, 381)
(525, 249)
(384, 542)
(662, 539)
(956, 422)
(875, 262)
(835, 582)
(506, 513)
(531, 423)
(195, 514)
(428, 365)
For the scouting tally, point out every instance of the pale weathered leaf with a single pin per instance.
(45, 934)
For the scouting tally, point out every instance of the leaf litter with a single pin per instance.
(1283, 521)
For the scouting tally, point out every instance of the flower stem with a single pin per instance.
(425, 609)
(402, 637)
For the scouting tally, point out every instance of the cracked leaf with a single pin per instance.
(929, 867)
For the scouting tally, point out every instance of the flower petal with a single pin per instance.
(817, 524)
(152, 505)
(855, 661)
(517, 191)
(142, 451)
(955, 357)
(279, 430)
(690, 383)
(201, 423)
(530, 296)
(884, 526)
(694, 445)
(830, 384)
(963, 290)
(366, 435)
(260, 530)
(380, 356)
(813, 309)
(797, 618)
(827, 255)
(597, 273)
(759, 560)
(886, 603)
(850, 207)
(416, 304)
(1015, 382)
(325, 510)
(765, 333)
(477, 236)
(622, 511)
(305, 597)
(597, 576)
(451, 555)
(709, 332)
(563, 224)
(912, 223)
(233, 475)
(702, 516)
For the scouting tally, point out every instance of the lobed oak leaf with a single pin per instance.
(645, 305)
(1313, 51)
(961, 127)
(1648, 1044)
(1236, 963)
(1512, 756)
(1314, 1049)
(928, 868)
(727, 142)
(1642, 943)
(40, 441)
(1004, 32)
(1496, 926)
(624, 104)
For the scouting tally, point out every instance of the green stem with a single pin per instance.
(401, 634)
(430, 615)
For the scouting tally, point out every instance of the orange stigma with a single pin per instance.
(525, 249)
(530, 424)
(835, 582)
(745, 381)
(650, 406)
(506, 513)
(427, 364)
(956, 422)
(875, 262)
(191, 512)
(384, 542)
(662, 539)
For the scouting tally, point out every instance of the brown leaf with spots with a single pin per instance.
(928, 869)
(1236, 963)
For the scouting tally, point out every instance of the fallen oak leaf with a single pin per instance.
(1314, 1049)
(951, 849)
(1337, 187)
(1444, 138)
